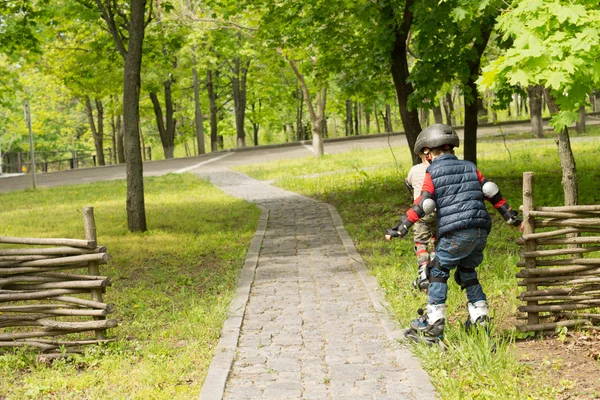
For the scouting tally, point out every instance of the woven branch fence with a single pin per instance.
(39, 302)
(560, 264)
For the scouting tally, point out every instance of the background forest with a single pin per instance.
(221, 73)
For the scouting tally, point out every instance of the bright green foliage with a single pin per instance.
(444, 40)
(555, 43)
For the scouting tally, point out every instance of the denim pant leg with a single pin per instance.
(474, 293)
(464, 248)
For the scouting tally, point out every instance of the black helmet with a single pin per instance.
(436, 135)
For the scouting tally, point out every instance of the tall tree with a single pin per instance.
(127, 30)
(554, 43)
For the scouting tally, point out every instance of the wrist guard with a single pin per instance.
(402, 227)
(511, 217)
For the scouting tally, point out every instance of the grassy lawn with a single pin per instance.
(171, 286)
(371, 199)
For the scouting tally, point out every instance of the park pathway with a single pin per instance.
(308, 321)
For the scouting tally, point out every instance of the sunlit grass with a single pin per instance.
(171, 286)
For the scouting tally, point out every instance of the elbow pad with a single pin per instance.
(491, 191)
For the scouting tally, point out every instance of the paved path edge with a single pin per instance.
(418, 379)
(224, 355)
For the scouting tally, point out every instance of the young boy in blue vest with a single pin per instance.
(457, 190)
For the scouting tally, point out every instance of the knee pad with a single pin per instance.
(435, 264)
(466, 284)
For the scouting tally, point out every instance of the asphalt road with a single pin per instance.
(250, 155)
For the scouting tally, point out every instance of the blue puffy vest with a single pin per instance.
(458, 195)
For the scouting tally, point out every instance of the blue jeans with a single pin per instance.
(462, 248)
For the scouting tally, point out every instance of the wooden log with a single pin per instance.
(558, 281)
(58, 309)
(546, 292)
(38, 345)
(529, 226)
(98, 284)
(572, 269)
(30, 308)
(27, 278)
(38, 334)
(581, 315)
(70, 343)
(559, 298)
(60, 251)
(78, 312)
(573, 240)
(565, 215)
(551, 325)
(66, 276)
(557, 252)
(87, 244)
(101, 258)
(51, 324)
(7, 321)
(556, 307)
(18, 259)
(558, 232)
(32, 270)
(579, 223)
(4, 297)
(550, 263)
(583, 208)
(89, 227)
(83, 302)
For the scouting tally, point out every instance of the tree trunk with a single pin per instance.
(388, 119)
(471, 94)
(424, 117)
(97, 138)
(580, 126)
(356, 118)
(367, 121)
(349, 127)
(482, 115)
(120, 142)
(167, 142)
(565, 154)
(100, 119)
(536, 92)
(299, 113)
(113, 136)
(198, 117)
(400, 74)
(136, 212)
(437, 114)
(376, 117)
(317, 117)
(239, 71)
(449, 109)
(212, 98)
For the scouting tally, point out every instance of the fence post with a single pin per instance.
(530, 245)
(89, 226)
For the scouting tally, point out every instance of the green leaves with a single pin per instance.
(555, 43)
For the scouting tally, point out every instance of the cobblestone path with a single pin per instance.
(308, 322)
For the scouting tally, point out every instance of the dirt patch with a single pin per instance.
(570, 364)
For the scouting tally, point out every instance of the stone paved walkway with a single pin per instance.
(308, 321)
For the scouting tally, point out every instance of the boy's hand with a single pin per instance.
(521, 227)
(390, 233)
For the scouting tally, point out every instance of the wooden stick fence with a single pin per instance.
(38, 299)
(564, 279)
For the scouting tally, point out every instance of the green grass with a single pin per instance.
(171, 286)
(370, 200)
